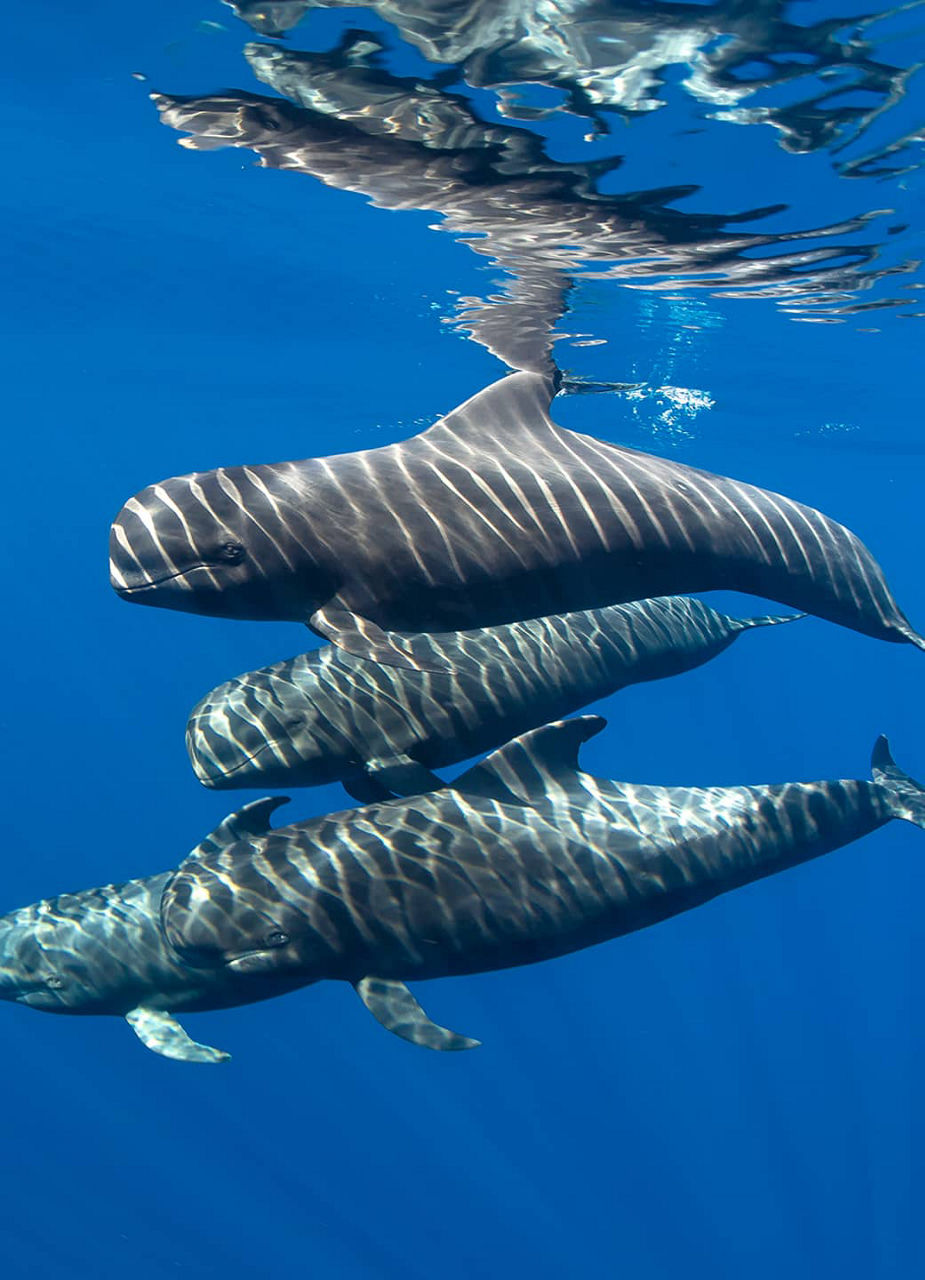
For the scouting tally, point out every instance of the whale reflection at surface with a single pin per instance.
(605, 57)
(820, 85)
(543, 221)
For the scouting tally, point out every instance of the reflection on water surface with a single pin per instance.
(344, 116)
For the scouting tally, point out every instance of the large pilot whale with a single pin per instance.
(492, 515)
(524, 858)
(328, 716)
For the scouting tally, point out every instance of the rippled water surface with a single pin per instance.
(710, 219)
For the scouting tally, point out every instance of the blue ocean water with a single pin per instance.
(735, 1092)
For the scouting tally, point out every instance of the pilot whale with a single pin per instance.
(327, 716)
(103, 951)
(523, 859)
(493, 515)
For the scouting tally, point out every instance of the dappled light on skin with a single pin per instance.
(697, 227)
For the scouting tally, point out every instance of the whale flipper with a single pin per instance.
(388, 777)
(764, 620)
(529, 765)
(404, 776)
(162, 1034)
(395, 1008)
(251, 820)
(364, 639)
(366, 789)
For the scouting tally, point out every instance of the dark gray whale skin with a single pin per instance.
(327, 716)
(492, 515)
(521, 860)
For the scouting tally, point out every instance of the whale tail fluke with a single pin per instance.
(906, 796)
(913, 637)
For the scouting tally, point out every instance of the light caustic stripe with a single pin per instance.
(114, 571)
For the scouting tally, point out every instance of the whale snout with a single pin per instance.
(221, 746)
(174, 545)
(189, 544)
(153, 543)
(27, 975)
(242, 731)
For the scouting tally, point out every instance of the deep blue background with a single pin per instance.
(737, 1092)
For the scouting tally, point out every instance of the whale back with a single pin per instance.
(669, 527)
(497, 494)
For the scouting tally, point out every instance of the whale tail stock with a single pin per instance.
(906, 796)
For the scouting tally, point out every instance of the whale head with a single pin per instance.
(233, 119)
(219, 912)
(34, 967)
(97, 951)
(192, 543)
(56, 956)
(264, 729)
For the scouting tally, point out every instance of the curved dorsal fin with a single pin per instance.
(252, 820)
(528, 766)
(509, 407)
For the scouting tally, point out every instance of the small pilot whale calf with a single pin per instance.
(327, 716)
(103, 951)
(493, 515)
(524, 858)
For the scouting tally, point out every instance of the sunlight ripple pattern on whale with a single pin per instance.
(326, 715)
(493, 514)
(522, 859)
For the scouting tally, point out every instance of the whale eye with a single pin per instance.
(231, 552)
(266, 120)
(55, 983)
(276, 938)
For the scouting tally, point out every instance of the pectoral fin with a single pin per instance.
(366, 789)
(393, 1005)
(162, 1034)
(403, 776)
(387, 777)
(364, 639)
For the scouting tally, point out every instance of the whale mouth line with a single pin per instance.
(152, 582)
(167, 577)
(227, 771)
(26, 990)
(240, 963)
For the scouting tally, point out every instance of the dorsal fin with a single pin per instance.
(528, 766)
(252, 820)
(509, 407)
